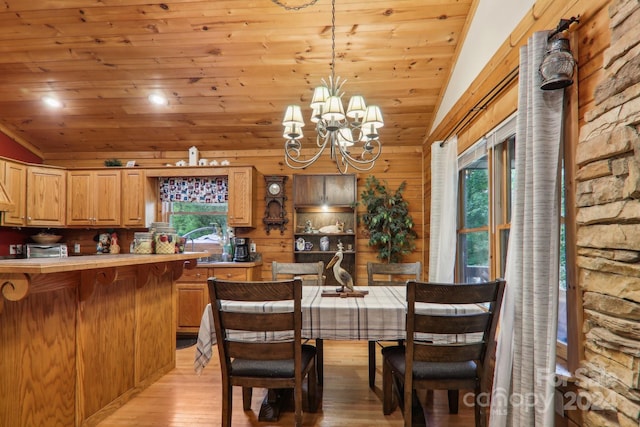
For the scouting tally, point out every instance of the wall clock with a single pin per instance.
(275, 214)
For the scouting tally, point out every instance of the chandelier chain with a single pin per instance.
(333, 42)
(302, 6)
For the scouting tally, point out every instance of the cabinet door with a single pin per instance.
(93, 197)
(192, 298)
(242, 183)
(46, 201)
(80, 198)
(308, 190)
(133, 198)
(340, 190)
(106, 197)
(331, 190)
(15, 182)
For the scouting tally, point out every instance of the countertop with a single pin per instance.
(89, 262)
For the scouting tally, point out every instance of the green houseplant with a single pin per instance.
(387, 220)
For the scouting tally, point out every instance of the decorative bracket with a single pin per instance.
(14, 287)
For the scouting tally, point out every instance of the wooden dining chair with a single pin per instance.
(271, 362)
(439, 364)
(311, 273)
(394, 274)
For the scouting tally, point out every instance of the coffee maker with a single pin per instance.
(241, 253)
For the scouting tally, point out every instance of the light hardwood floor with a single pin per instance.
(182, 398)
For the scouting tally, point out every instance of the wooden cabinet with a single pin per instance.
(242, 191)
(93, 197)
(193, 294)
(333, 224)
(15, 183)
(138, 199)
(318, 190)
(46, 201)
(192, 298)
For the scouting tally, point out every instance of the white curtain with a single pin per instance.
(526, 355)
(444, 195)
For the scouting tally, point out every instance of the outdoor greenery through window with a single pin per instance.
(487, 179)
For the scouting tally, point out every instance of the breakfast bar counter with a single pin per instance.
(82, 335)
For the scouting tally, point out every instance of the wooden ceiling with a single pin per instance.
(228, 67)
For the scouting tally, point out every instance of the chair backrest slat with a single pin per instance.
(453, 324)
(380, 274)
(460, 293)
(254, 291)
(448, 353)
(260, 350)
(257, 322)
(311, 273)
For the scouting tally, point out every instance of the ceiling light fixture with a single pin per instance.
(52, 102)
(352, 143)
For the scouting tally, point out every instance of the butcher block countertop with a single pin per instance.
(89, 262)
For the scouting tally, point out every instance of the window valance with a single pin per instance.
(194, 189)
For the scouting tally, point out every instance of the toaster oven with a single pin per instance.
(54, 250)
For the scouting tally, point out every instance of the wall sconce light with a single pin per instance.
(558, 63)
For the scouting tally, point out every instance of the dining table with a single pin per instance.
(378, 313)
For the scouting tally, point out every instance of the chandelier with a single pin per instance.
(352, 137)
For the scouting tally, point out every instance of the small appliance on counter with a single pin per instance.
(241, 253)
(44, 250)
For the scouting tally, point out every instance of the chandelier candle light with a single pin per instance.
(352, 142)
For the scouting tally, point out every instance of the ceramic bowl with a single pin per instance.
(44, 238)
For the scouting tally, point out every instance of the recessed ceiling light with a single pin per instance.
(156, 99)
(52, 102)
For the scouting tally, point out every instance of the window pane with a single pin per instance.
(474, 256)
(476, 195)
(188, 216)
(511, 175)
(504, 243)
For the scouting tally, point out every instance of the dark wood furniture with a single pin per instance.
(321, 203)
(275, 364)
(441, 364)
(379, 274)
(311, 273)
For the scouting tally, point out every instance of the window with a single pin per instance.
(487, 181)
(196, 207)
(487, 178)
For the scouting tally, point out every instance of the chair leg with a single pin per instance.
(312, 390)
(297, 402)
(227, 403)
(453, 401)
(320, 361)
(388, 401)
(247, 393)
(372, 364)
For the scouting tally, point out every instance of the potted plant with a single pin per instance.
(387, 220)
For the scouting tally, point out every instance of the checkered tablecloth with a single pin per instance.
(378, 316)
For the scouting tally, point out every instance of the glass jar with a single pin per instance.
(142, 243)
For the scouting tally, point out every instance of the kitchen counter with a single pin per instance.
(88, 262)
(82, 335)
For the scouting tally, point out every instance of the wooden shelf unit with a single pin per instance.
(342, 190)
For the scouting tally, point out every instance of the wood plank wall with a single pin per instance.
(396, 164)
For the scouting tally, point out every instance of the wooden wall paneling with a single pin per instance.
(395, 165)
(38, 341)
(106, 333)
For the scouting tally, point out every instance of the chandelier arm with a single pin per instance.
(303, 163)
(355, 162)
(302, 6)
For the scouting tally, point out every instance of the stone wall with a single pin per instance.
(608, 233)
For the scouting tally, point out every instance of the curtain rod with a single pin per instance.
(482, 103)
